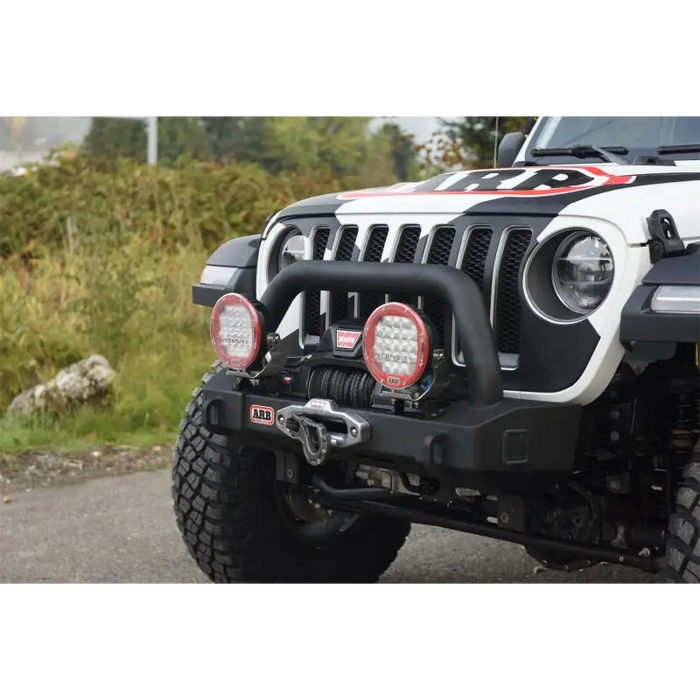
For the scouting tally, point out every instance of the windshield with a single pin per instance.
(640, 135)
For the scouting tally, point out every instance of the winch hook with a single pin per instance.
(313, 437)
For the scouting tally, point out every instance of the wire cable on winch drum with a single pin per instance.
(347, 387)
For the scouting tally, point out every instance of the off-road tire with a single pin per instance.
(683, 536)
(230, 519)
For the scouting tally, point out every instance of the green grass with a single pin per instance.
(131, 304)
(83, 433)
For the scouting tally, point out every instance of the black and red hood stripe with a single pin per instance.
(537, 191)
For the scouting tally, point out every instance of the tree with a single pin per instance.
(344, 147)
(288, 143)
(111, 138)
(337, 144)
(403, 151)
(470, 140)
(182, 137)
(234, 138)
(276, 143)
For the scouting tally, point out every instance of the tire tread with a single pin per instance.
(231, 526)
(683, 535)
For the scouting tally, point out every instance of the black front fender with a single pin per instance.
(238, 252)
(640, 323)
(240, 255)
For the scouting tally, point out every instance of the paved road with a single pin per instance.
(122, 529)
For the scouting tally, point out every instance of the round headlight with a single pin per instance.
(291, 250)
(582, 272)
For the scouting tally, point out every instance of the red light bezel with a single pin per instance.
(234, 299)
(396, 381)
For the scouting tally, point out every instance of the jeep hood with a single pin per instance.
(623, 194)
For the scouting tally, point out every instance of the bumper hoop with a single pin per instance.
(306, 425)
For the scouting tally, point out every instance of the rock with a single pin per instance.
(7, 499)
(87, 381)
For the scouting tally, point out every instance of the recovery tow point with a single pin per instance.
(319, 425)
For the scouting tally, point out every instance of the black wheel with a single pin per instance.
(683, 536)
(239, 527)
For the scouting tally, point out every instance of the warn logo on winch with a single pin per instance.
(347, 340)
(262, 414)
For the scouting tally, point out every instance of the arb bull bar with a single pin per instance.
(487, 434)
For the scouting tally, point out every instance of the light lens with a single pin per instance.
(236, 330)
(292, 250)
(215, 274)
(676, 300)
(582, 272)
(396, 345)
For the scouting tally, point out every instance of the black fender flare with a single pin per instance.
(640, 324)
(238, 252)
(241, 256)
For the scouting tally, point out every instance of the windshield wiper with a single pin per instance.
(683, 148)
(609, 155)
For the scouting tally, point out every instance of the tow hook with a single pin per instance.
(306, 425)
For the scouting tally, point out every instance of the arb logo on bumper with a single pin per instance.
(346, 340)
(262, 414)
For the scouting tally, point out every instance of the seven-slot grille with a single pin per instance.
(481, 252)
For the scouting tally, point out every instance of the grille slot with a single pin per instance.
(439, 254)
(374, 251)
(312, 305)
(508, 304)
(473, 262)
(406, 253)
(339, 303)
(477, 250)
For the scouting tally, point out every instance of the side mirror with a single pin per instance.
(509, 148)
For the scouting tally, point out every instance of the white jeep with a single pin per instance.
(511, 352)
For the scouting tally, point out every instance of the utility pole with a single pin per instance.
(152, 131)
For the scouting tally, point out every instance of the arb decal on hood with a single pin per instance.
(512, 181)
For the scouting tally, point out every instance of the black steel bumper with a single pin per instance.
(509, 437)
(485, 435)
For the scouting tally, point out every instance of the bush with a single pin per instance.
(133, 305)
(97, 261)
(62, 205)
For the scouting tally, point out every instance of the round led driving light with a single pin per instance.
(396, 345)
(236, 330)
(582, 272)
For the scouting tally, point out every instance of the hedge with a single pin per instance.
(61, 205)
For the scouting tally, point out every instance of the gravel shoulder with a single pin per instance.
(37, 468)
